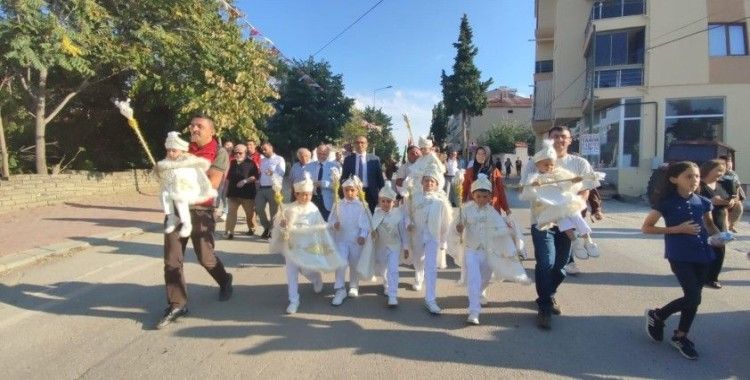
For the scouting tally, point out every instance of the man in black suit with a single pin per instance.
(367, 168)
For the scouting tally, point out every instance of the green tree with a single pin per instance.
(439, 125)
(380, 139)
(307, 115)
(504, 134)
(463, 91)
(191, 58)
(56, 49)
(354, 127)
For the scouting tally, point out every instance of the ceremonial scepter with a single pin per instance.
(127, 111)
(276, 185)
(458, 186)
(335, 184)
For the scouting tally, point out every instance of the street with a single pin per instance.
(91, 315)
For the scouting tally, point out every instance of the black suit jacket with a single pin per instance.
(375, 180)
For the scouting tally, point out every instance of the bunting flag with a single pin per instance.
(258, 36)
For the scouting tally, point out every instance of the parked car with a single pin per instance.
(695, 151)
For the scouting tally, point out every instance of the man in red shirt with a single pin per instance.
(204, 144)
(252, 152)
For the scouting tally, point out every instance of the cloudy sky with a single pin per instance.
(401, 43)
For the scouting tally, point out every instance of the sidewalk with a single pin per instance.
(32, 234)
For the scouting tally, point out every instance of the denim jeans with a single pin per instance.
(552, 252)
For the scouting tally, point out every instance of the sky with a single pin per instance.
(404, 44)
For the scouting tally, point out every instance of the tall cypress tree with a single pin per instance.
(463, 91)
(439, 125)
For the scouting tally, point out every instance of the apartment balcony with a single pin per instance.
(543, 96)
(613, 14)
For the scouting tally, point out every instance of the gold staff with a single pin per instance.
(127, 111)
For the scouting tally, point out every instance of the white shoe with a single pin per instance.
(432, 307)
(186, 230)
(221, 218)
(572, 269)
(473, 319)
(171, 224)
(354, 292)
(592, 249)
(579, 250)
(318, 285)
(483, 300)
(292, 308)
(392, 301)
(339, 297)
(416, 287)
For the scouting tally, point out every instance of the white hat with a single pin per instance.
(424, 142)
(547, 152)
(304, 186)
(481, 183)
(432, 171)
(352, 181)
(175, 142)
(387, 192)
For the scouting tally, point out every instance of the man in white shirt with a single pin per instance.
(550, 264)
(270, 164)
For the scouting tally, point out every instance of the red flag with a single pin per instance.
(254, 32)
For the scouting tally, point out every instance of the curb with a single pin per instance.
(35, 255)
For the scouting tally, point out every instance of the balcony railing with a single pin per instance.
(614, 8)
(610, 77)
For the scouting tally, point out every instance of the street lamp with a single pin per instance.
(376, 90)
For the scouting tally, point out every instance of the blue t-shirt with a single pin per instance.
(683, 247)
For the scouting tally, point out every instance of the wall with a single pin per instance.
(33, 190)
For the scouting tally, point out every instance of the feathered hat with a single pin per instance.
(387, 192)
(481, 183)
(175, 142)
(305, 185)
(353, 181)
(424, 142)
(547, 152)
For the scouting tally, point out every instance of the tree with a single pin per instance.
(439, 125)
(56, 50)
(354, 127)
(192, 59)
(380, 134)
(463, 91)
(504, 134)
(308, 115)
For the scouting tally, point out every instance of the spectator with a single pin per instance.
(241, 190)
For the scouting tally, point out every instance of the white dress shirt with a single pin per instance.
(275, 164)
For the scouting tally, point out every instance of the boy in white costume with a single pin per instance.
(489, 247)
(183, 183)
(389, 240)
(302, 236)
(429, 213)
(350, 221)
(553, 193)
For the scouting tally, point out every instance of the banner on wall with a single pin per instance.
(589, 144)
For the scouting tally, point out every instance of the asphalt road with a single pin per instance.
(90, 315)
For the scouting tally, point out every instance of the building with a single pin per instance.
(503, 103)
(630, 77)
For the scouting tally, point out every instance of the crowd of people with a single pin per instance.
(351, 214)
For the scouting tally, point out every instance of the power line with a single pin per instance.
(693, 33)
(347, 28)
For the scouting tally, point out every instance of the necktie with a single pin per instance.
(320, 177)
(360, 168)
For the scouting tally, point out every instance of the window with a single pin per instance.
(617, 8)
(543, 67)
(694, 119)
(620, 48)
(726, 39)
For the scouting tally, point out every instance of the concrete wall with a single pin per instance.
(480, 125)
(569, 77)
(33, 190)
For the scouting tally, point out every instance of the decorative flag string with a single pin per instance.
(258, 36)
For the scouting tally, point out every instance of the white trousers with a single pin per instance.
(183, 208)
(574, 222)
(425, 266)
(479, 274)
(350, 252)
(390, 262)
(292, 279)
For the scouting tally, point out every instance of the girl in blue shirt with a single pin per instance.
(688, 221)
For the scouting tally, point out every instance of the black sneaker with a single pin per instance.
(266, 235)
(226, 289)
(171, 314)
(654, 326)
(229, 236)
(250, 233)
(544, 320)
(556, 307)
(685, 346)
